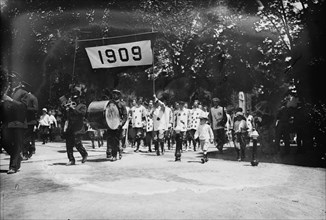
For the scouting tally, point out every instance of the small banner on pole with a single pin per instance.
(136, 53)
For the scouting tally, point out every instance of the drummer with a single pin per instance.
(114, 135)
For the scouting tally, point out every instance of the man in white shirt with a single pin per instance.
(160, 124)
(180, 128)
(44, 124)
(193, 123)
(138, 113)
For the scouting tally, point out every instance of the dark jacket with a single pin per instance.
(76, 119)
(32, 108)
(15, 111)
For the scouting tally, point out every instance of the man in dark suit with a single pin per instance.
(32, 108)
(14, 123)
(75, 130)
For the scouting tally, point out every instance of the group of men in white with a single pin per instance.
(157, 123)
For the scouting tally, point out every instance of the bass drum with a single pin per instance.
(103, 115)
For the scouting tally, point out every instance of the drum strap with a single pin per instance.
(119, 107)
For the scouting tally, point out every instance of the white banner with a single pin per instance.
(137, 53)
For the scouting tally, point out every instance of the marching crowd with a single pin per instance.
(157, 123)
(142, 123)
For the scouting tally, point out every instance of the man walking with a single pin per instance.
(114, 135)
(32, 108)
(180, 128)
(217, 119)
(14, 123)
(74, 130)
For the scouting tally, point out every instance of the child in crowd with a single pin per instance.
(205, 135)
(241, 133)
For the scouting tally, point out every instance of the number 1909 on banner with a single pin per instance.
(116, 55)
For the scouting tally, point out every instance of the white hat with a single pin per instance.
(239, 113)
(203, 115)
(44, 109)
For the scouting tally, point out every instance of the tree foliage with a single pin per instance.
(216, 46)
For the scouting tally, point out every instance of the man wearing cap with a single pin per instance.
(14, 123)
(44, 125)
(75, 130)
(114, 136)
(180, 128)
(205, 135)
(217, 119)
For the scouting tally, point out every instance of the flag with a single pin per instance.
(121, 51)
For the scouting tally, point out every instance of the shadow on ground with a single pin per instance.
(311, 158)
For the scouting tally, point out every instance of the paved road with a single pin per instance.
(145, 186)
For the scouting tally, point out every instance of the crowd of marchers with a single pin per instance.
(155, 124)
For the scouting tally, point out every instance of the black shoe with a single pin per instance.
(11, 171)
(70, 163)
(178, 159)
(30, 154)
(114, 159)
(254, 163)
(84, 158)
(25, 157)
(120, 156)
(202, 160)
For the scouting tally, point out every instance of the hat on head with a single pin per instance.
(26, 85)
(216, 99)
(203, 115)
(44, 109)
(16, 75)
(238, 114)
(116, 91)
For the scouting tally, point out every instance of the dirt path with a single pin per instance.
(144, 186)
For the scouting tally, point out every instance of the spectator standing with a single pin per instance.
(282, 129)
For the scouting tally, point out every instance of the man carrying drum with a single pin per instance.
(114, 135)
